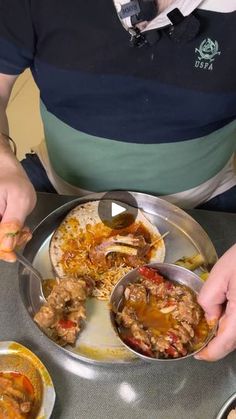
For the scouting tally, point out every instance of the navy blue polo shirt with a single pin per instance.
(159, 119)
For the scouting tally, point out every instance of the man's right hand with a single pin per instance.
(17, 200)
(17, 195)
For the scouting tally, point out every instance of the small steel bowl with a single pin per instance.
(175, 274)
(15, 357)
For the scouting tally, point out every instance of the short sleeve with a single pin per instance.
(17, 39)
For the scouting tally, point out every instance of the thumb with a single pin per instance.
(16, 210)
(213, 294)
(11, 224)
(9, 234)
(223, 343)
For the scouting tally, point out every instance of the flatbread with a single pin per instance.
(70, 244)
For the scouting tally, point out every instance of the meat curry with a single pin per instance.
(159, 318)
(16, 396)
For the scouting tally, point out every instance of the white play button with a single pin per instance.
(117, 209)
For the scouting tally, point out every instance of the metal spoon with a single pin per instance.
(26, 263)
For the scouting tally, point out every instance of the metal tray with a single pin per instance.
(98, 343)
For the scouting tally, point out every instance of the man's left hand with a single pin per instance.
(218, 300)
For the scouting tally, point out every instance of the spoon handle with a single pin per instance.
(26, 263)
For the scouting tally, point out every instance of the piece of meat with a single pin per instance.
(130, 239)
(25, 407)
(11, 405)
(47, 316)
(139, 333)
(188, 313)
(128, 245)
(68, 334)
(136, 293)
(182, 333)
(64, 311)
(167, 308)
(14, 398)
(159, 343)
(58, 297)
(189, 329)
(90, 284)
(7, 387)
(67, 290)
(78, 315)
(134, 261)
(4, 383)
(169, 344)
(127, 317)
(158, 290)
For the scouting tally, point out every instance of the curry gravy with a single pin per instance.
(150, 317)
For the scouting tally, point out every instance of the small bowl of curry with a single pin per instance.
(155, 313)
(26, 389)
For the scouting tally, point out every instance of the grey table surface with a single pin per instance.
(187, 389)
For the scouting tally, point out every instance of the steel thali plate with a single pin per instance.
(98, 343)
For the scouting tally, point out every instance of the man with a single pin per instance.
(158, 117)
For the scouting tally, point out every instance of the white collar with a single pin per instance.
(186, 7)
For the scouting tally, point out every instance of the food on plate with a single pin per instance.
(47, 286)
(204, 275)
(16, 396)
(191, 262)
(83, 245)
(62, 315)
(159, 318)
(232, 414)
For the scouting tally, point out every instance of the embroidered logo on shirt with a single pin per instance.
(207, 52)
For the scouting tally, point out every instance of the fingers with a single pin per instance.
(12, 236)
(224, 342)
(213, 293)
(7, 256)
(9, 234)
(16, 209)
(17, 200)
(220, 291)
(12, 232)
(24, 236)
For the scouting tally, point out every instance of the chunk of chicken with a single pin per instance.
(65, 309)
(47, 316)
(136, 293)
